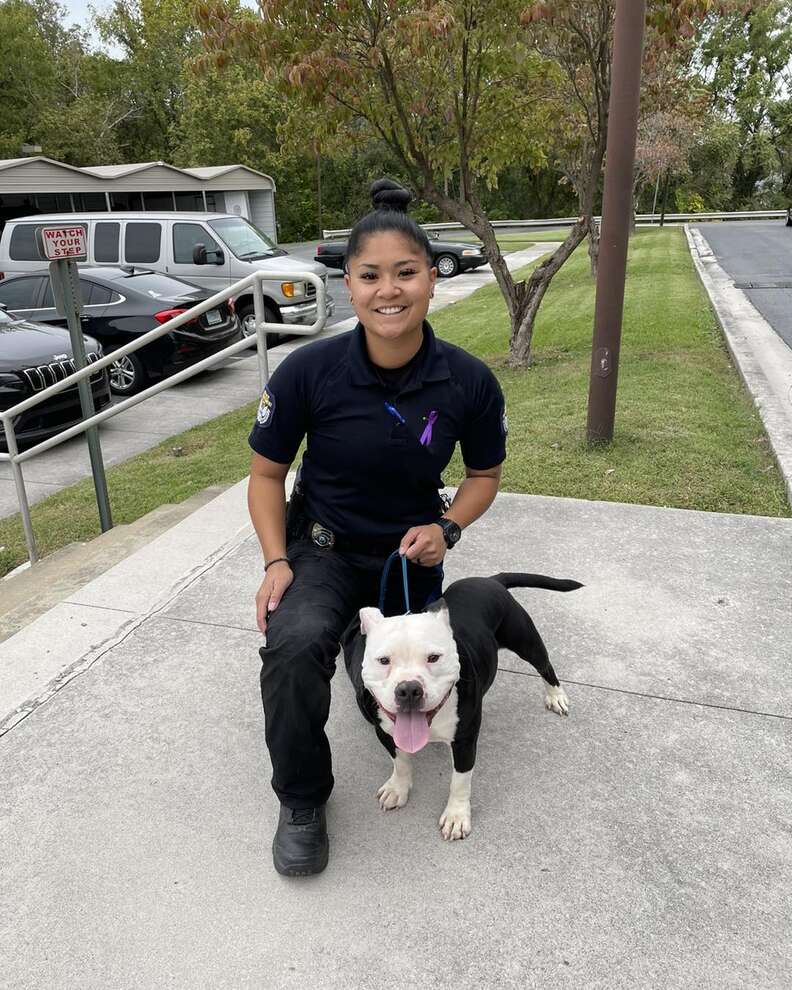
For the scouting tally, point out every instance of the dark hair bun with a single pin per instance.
(389, 195)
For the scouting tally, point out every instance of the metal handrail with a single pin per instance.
(250, 281)
(560, 221)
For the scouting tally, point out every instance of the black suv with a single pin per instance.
(32, 357)
(120, 305)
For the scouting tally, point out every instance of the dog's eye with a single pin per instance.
(384, 661)
(433, 658)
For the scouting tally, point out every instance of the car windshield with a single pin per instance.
(244, 240)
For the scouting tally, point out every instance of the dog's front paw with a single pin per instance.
(556, 700)
(393, 793)
(455, 820)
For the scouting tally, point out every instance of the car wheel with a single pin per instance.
(247, 318)
(127, 375)
(447, 266)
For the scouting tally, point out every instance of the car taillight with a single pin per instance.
(2, 274)
(318, 248)
(231, 306)
(168, 314)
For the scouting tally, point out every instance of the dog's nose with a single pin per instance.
(408, 695)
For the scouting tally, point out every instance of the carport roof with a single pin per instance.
(41, 175)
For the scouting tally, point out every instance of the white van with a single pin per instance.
(212, 250)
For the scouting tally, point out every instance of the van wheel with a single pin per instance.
(247, 317)
(127, 375)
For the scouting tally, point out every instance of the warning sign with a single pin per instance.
(62, 243)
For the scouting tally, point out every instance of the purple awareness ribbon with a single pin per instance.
(426, 436)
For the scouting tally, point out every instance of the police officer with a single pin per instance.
(382, 408)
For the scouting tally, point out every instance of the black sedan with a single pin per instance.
(450, 257)
(120, 305)
(33, 357)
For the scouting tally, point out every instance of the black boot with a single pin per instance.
(300, 847)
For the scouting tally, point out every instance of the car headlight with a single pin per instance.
(293, 290)
(471, 253)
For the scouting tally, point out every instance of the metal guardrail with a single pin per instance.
(642, 218)
(260, 339)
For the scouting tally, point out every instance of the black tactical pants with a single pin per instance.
(303, 636)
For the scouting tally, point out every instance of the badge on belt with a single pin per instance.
(322, 537)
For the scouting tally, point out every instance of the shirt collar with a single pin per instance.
(433, 368)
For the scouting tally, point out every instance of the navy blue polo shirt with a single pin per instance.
(371, 471)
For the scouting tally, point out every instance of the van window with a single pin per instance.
(185, 237)
(142, 243)
(106, 237)
(23, 243)
(245, 241)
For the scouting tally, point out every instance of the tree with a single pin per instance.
(746, 61)
(447, 87)
(156, 37)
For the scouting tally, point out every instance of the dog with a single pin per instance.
(422, 678)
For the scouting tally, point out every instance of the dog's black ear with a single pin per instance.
(439, 606)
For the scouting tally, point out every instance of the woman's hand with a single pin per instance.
(424, 545)
(277, 579)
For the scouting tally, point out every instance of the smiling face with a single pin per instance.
(390, 282)
(410, 665)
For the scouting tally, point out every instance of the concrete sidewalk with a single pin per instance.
(642, 842)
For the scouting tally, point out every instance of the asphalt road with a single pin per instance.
(758, 256)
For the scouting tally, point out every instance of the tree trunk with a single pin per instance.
(593, 246)
(665, 196)
(530, 294)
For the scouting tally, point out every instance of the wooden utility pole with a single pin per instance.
(616, 215)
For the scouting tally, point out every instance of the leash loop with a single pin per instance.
(384, 582)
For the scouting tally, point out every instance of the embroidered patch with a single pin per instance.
(266, 409)
(505, 424)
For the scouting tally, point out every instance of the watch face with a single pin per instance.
(452, 532)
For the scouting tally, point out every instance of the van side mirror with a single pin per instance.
(202, 257)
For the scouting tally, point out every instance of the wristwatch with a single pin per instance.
(451, 531)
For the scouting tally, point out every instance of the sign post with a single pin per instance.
(63, 247)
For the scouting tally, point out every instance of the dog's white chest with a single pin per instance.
(444, 724)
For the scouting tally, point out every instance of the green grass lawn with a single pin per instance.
(686, 433)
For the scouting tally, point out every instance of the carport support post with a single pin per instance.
(261, 335)
(65, 289)
(616, 215)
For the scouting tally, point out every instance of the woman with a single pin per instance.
(382, 408)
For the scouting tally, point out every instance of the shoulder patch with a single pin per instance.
(505, 423)
(266, 409)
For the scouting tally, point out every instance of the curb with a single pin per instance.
(762, 358)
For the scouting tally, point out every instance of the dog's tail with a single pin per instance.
(518, 580)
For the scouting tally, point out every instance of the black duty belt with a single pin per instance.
(326, 539)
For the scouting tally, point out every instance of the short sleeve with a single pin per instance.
(282, 414)
(483, 442)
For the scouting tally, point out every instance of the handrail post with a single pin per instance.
(19, 482)
(261, 335)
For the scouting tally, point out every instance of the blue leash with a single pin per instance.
(384, 582)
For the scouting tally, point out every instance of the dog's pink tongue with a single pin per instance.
(411, 731)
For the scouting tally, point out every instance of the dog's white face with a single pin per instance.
(410, 666)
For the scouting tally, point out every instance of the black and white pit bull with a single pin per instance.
(422, 678)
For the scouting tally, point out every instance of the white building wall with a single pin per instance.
(262, 212)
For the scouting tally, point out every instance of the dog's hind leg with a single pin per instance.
(518, 634)
(396, 789)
